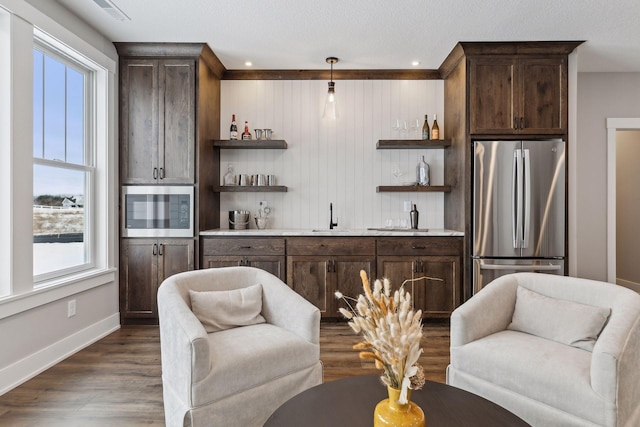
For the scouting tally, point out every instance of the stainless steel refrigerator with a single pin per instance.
(518, 208)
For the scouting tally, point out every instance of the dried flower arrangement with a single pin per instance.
(391, 332)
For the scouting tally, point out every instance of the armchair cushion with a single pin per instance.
(566, 322)
(245, 358)
(220, 310)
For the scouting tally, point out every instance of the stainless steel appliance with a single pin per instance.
(518, 208)
(157, 211)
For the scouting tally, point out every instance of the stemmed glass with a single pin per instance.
(397, 173)
(415, 126)
(403, 128)
(395, 125)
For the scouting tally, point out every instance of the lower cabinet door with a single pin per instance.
(138, 278)
(437, 298)
(175, 256)
(346, 272)
(397, 269)
(309, 277)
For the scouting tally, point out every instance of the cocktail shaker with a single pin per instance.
(413, 214)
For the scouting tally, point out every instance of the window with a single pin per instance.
(63, 164)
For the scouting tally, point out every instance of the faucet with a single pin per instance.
(331, 223)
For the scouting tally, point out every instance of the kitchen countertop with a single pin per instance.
(371, 232)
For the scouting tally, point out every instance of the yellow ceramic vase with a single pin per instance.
(389, 412)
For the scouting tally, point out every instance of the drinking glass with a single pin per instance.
(403, 128)
(414, 126)
(397, 172)
(395, 125)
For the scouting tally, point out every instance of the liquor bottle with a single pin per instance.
(228, 178)
(246, 134)
(422, 173)
(425, 128)
(435, 129)
(233, 132)
(413, 215)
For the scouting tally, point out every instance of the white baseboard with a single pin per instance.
(27, 368)
(629, 284)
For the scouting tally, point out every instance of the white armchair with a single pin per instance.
(237, 376)
(543, 381)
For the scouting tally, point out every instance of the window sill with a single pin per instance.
(47, 292)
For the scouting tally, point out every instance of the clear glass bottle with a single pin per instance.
(228, 178)
(422, 172)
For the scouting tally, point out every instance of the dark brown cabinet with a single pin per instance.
(263, 253)
(157, 121)
(400, 259)
(517, 95)
(145, 264)
(318, 267)
(169, 109)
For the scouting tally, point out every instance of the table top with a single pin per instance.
(351, 401)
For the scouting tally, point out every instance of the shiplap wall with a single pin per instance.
(333, 160)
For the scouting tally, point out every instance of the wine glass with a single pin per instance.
(403, 128)
(414, 126)
(395, 125)
(397, 172)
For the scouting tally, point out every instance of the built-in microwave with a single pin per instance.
(157, 211)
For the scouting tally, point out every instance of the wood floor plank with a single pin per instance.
(117, 380)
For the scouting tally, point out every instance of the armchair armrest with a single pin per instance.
(184, 345)
(616, 356)
(487, 312)
(283, 307)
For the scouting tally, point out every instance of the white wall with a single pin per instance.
(627, 208)
(333, 161)
(35, 331)
(600, 95)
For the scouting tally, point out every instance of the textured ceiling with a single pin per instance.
(373, 34)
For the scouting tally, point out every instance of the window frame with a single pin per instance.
(70, 59)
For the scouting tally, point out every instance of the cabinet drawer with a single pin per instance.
(242, 246)
(419, 246)
(331, 246)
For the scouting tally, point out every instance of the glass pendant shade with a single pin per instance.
(330, 110)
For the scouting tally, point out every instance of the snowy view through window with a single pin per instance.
(60, 172)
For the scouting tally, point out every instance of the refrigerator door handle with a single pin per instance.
(516, 201)
(549, 267)
(527, 198)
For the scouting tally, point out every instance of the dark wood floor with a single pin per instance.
(116, 381)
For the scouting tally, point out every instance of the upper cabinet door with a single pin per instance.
(544, 95)
(492, 90)
(517, 95)
(176, 140)
(157, 116)
(138, 121)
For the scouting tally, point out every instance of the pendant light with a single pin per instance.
(330, 110)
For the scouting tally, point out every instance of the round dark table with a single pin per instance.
(351, 401)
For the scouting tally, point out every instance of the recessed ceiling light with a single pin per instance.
(415, 63)
(248, 63)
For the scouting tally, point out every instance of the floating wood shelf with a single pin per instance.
(391, 144)
(413, 188)
(250, 189)
(266, 144)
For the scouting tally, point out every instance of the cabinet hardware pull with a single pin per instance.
(329, 266)
(245, 247)
(515, 123)
(521, 122)
(161, 173)
(335, 269)
(160, 249)
(417, 247)
(155, 173)
(155, 249)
